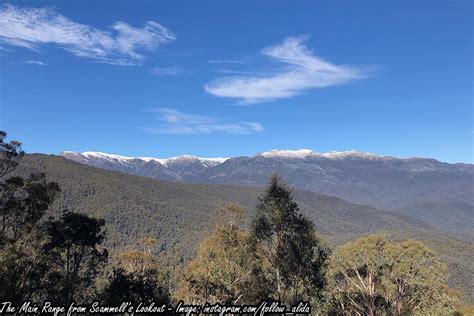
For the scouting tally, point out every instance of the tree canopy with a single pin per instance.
(221, 270)
(293, 258)
(373, 276)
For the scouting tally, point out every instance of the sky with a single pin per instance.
(235, 78)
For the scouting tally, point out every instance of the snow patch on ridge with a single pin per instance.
(304, 153)
(301, 153)
(104, 155)
(163, 161)
(349, 153)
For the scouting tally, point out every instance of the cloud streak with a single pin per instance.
(169, 71)
(173, 122)
(124, 45)
(225, 61)
(303, 70)
(35, 62)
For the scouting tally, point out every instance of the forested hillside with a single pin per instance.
(436, 192)
(179, 215)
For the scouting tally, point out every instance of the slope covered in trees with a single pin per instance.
(58, 260)
(433, 191)
(180, 215)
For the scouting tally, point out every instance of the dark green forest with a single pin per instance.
(72, 233)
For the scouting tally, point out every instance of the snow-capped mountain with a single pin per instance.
(187, 166)
(163, 161)
(162, 168)
(305, 153)
(415, 186)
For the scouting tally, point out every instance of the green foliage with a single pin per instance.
(56, 260)
(137, 277)
(74, 241)
(467, 310)
(10, 153)
(26, 270)
(221, 270)
(293, 259)
(125, 287)
(373, 276)
(23, 203)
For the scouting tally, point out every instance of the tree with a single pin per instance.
(23, 203)
(75, 239)
(371, 276)
(126, 287)
(10, 153)
(356, 271)
(222, 269)
(57, 260)
(27, 272)
(138, 277)
(135, 261)
(417, 280)
(293, 258)
(25, 269)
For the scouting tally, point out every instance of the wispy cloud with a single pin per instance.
(303, 71)
(225, 61)
(237, 72)
(35, 62)
(124, 45)
(169, 71)
(175, 122)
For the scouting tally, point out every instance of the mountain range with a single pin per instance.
(438, 193)
(179, 214)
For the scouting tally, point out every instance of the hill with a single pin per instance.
(439, 193)
(179, 214)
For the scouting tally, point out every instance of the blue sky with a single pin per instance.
(214, 78)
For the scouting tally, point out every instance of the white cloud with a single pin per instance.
(35, 62)
(176, 122)
(303, 71)
(169, 71)
(225, 61)
(237, 72)
(124, 45)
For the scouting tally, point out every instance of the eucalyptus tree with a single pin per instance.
(371, 276)
(222, 269)
(293, 258)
